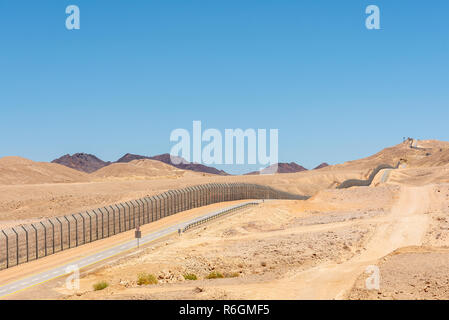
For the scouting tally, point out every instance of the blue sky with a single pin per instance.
(136, 70)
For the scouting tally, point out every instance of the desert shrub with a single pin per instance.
(146, 278)
(214, 275)
(100, 285)
(190, 276)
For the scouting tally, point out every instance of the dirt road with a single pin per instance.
(405, 225)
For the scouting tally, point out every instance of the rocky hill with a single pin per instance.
(90, 163)
(323, 165)
(82, 162)
(291, 167)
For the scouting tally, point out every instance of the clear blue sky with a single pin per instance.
(136, 70)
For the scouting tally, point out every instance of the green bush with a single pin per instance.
(100, 285)
(146, 278)
(214, 275)
(190, 276)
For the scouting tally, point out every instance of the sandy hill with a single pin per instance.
(282, 167)
(131, 157)
(166, 158)
(426, 153)
(139, 170)
(185, 165)
(82, 162)
(17, 170)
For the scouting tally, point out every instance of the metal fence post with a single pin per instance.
(184, 199)
(76, 230)
(37, 247)
(53, 234)
(102, 223)
(90, 226)
(26, 242)
(158, 206)
(45, 237)
(172, 205)
(188, 198)
(153, 207)
(109, 221)
(17, 246)
(144, 210)
(60, 234)
(164, 195)
(197, 196)
(214, 192)
(138, 215)
(113, 217)
(150, 205)
(200, 195)
(192, 197)
(84, 227)
(180, 200)
(169, 203)
(174, 201)
(180, 196)
(69, 231)
(147, 211)
(96, 224)
(119, 219)
(7, 249)
(129, 215)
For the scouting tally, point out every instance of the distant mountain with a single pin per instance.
(291, 167)
(82, 162)
(184, 164)
(131, 157)
(166, 158)
(323, 165)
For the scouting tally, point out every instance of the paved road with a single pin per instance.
(66, 269)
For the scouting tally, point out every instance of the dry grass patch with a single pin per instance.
(190, 276)
(215, 275)
(146, 278)
(100, 285)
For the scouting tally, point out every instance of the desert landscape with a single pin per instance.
(318, 248)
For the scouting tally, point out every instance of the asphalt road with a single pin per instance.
(68, 268)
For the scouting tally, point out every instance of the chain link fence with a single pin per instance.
(29, 242)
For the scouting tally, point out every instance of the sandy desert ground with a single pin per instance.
(314, 249)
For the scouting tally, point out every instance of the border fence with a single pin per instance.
(365, 183)
(29, 242)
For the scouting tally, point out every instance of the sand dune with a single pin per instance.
(140, 170)
(20, 171)
(17, 170)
